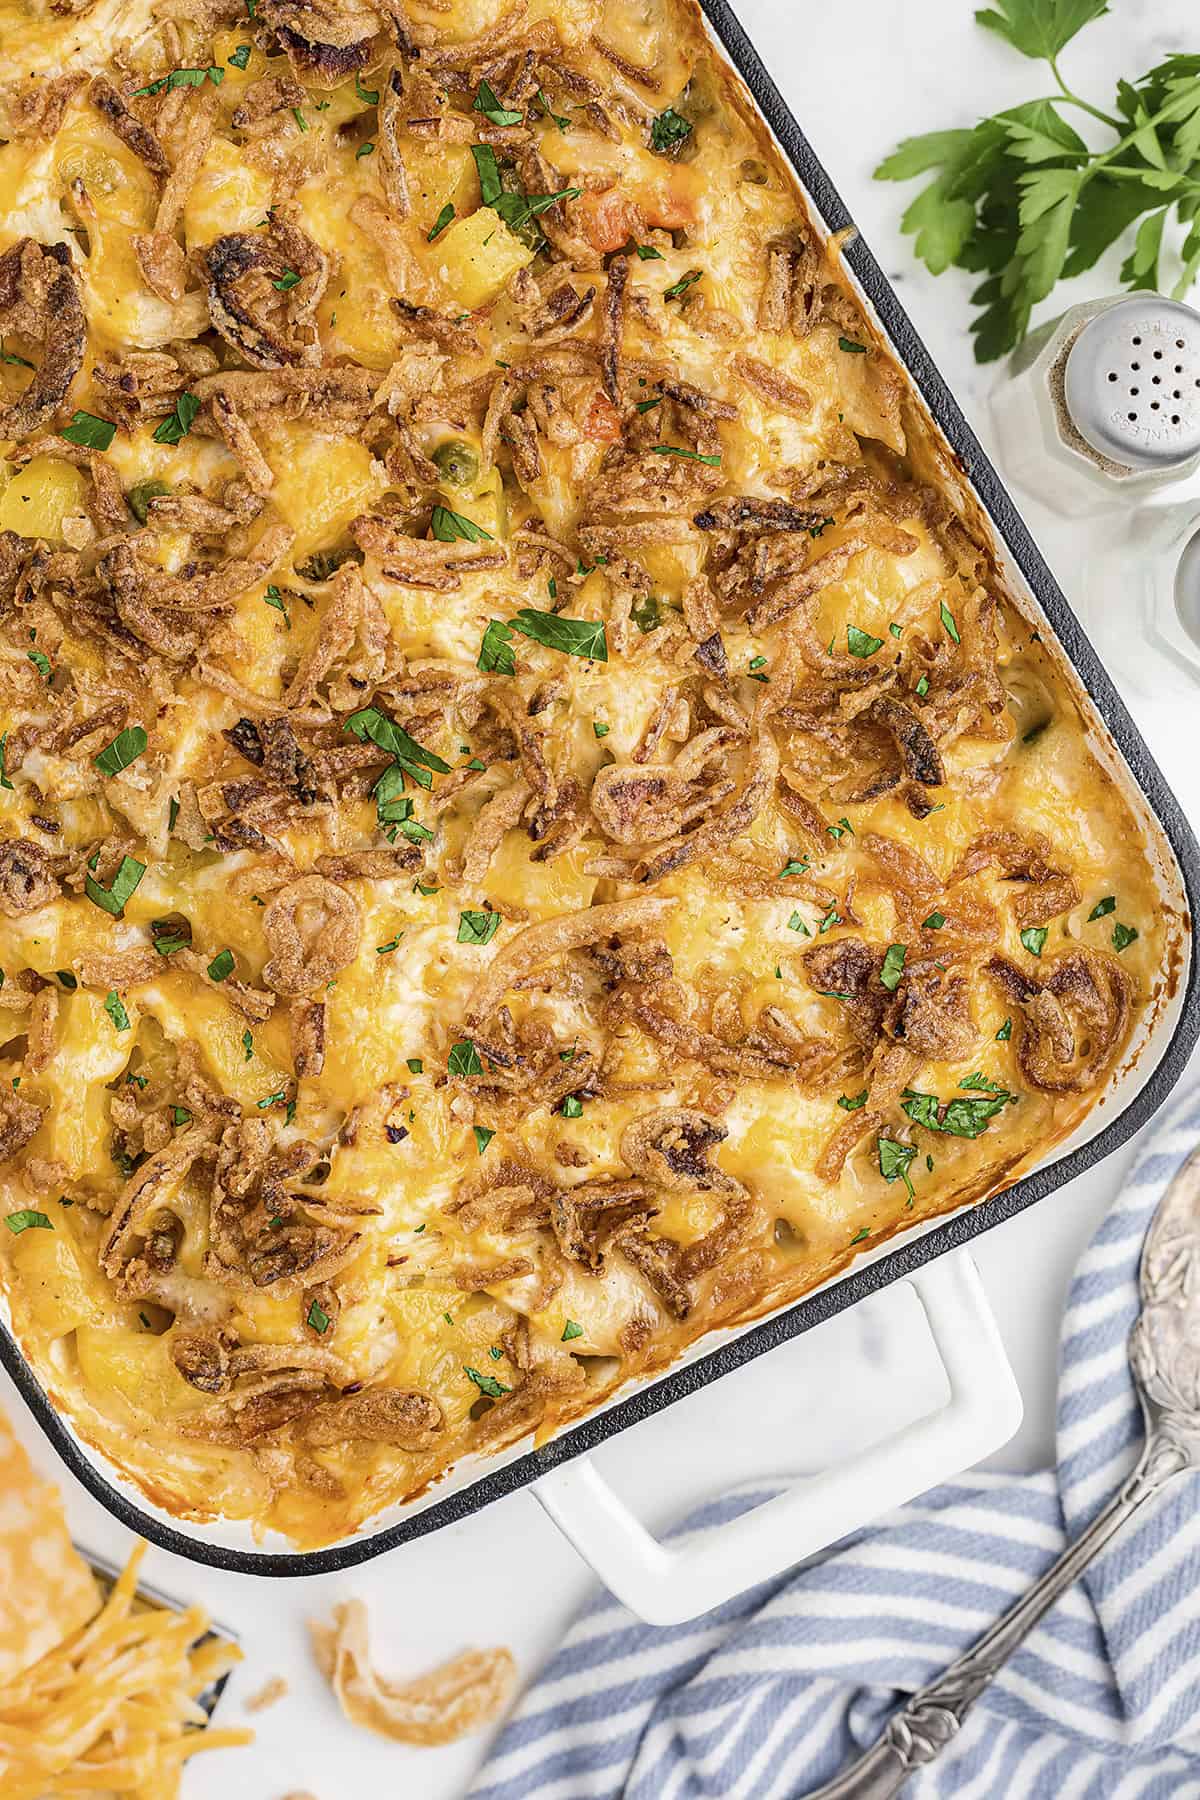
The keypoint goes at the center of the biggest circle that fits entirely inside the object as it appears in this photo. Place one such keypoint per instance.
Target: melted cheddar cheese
(532, 828)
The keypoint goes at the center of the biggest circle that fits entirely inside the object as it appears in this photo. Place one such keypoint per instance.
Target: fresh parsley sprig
(1023, 201)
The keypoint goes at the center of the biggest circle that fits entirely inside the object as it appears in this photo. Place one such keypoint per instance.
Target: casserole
(1172, 839)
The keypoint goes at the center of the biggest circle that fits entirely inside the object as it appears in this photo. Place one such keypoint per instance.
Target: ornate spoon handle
(928, 1721)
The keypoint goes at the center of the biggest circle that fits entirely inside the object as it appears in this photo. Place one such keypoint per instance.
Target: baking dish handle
(665, 1585)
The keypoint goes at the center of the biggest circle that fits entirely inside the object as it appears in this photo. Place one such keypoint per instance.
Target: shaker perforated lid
(1132, 383)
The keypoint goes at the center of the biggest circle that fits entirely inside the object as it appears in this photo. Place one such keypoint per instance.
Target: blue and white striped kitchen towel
(769, 1696)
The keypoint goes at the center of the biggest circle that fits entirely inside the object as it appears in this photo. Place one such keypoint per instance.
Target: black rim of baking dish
(908, 1257)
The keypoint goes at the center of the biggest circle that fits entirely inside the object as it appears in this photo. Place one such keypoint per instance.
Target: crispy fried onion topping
(312, 928)
(1074, 1023)
(40, 305)
(459, 1697)
(537, 944)
(255, 302)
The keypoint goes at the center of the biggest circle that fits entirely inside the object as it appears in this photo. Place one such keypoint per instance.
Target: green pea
(457, 462)
(139, 498)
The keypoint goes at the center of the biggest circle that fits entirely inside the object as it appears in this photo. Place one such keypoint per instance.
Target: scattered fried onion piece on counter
(460, 1696)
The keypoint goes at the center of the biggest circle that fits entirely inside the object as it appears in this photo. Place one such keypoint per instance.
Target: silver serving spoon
(1164, 1354)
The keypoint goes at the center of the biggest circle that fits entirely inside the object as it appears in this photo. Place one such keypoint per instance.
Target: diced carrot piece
(609, 219)
(603, 424)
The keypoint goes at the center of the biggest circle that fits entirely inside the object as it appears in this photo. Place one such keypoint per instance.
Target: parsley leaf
(957, 1118)
(369, 96)
(934, 922)
(179, 423)
(1102, 907)
(487, 1384)
(714, 462)
(570, 1330)
(893, 967)
(669, 130)
(575, 637)
(6, 783)
(27, 1220)
(549, 112)
(115, 1010)
(1022, 200)
(477, 927)
(894, 1158)
(1034, 938)
(483, 1138)
(41, 663)
(318, 1318)
(449, 526)
(413, 758)
(440, 223)
(852, 1102)
(240, 57)
(90, 432)
(683, 284)
(221, 966)
(112, 899)
(495, 650)
(1123, 936)
(464, 1058)
(1005, 1032)
(861, 643)
(274, 598)
(486, 103)
(125, 748)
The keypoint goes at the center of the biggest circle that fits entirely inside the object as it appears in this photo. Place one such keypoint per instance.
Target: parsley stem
(1066, 93)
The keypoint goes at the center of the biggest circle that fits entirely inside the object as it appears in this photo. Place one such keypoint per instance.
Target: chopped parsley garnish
(851, 348)
(177, 424)
(669, 130)
(221, 966)
(11, 357)
(894, 1158)
(646, 613)
(558, 118)
(5, 782)
(413, 758)
(180, 1115)
(896, 630)
(861, 643)
(934, 922)
(645, 406)
(448, 527)
(923, 686)
(89, 431)
(486, 102)
(478, 927)
(274, 598)
(515, 209)
(893, 967)
(1123, 936)
(841, 829)
(464, 1058)
(1005, 1032)
(386, 950)
(575, 637)
(957, 1117)
(367, 149)
(178, 78)
(860, 1236)
(370, 96)
(247, 1044)
(816, 531)
(67, 980)
(483, 1138)
(792, 867)
(832, 918)
(289, 278)
(570, 1330)
(487, 1384)
(683, 284)
(1103, 907)
(125, 748)
(302, 122)
(796, 923)
(41, 663)
(598, 730)
(496, 655)
(27, 1220)
(852, 1102)
(416, 1065)
(1034, 938)
(714, 462)
(980, 1080)
(115, 1010)
(440, 223)
(948, 622)
(112, 899)
(240, 57)
(318, 1318)
(647, 253)
(572, 1107)
(269, 1100)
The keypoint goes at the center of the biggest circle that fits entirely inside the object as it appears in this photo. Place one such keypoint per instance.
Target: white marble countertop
(858, 78)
